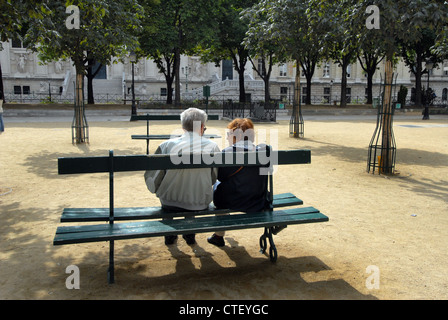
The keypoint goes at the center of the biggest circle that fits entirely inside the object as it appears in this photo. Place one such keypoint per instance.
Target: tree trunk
(168, 72)
(2, 92)
(296, 103)
(80, 133)
(267, 96)
(90, 97)
(177, 77)
(239, 62)
(370, 87)
(169, 90)
(344, 84)
(385, 164)
(308, 89)
(90, 76)
(241, 85)
(418, 81)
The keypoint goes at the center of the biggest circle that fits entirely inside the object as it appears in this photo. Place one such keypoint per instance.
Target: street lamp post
(429, 65)
(133, 58)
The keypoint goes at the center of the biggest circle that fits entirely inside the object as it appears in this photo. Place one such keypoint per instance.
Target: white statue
(58, 66)
(21, 63)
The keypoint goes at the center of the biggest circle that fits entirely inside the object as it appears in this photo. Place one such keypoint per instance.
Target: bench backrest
(112, 164)
(76, 165)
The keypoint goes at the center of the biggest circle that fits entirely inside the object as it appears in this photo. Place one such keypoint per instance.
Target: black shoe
(189, 238)
(170, 239)
(216, 240)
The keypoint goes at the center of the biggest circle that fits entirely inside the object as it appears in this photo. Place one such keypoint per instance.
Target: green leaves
(105, 30)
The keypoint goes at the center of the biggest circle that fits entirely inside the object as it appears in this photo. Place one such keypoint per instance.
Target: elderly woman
(239, 188)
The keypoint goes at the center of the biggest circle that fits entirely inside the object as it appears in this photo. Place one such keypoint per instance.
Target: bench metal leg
(268, 232)
(110, 271)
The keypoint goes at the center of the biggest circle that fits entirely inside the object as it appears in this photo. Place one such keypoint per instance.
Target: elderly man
(181, 190)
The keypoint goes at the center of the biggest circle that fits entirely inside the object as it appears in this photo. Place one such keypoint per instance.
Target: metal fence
(216, 101)
(256, 110)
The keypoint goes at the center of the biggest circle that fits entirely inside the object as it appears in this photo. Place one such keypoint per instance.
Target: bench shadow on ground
(436, 189)
(406, 156)
(198, 275)
(194, 270)
(45, 163)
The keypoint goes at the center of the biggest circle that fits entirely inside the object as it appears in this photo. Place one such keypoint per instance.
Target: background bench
(148, 136)
(149, 222)
(148, 117)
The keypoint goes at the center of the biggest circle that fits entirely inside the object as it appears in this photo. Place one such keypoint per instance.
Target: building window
(349, 71)
(283, 93)
(445, 94)
(163, 92)
(327, 95)
(227, 70)
(26, 89)
(17, 90)
(348, 95)
(102, 73)
(326, 70)
(304, 94)
(283, 70)
(16, 43)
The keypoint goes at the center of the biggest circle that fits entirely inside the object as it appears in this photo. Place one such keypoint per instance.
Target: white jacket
(189, 189)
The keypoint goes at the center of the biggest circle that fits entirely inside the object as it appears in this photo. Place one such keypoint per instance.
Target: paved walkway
(42, 114)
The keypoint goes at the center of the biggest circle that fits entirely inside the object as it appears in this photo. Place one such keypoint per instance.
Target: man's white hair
(190, 116)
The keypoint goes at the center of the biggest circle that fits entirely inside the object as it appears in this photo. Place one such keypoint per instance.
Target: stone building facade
(26, 79)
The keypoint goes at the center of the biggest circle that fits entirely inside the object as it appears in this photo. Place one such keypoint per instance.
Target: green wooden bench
(142, 222)
(149, 117)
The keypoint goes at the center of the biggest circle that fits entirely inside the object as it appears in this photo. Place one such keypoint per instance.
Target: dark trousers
(171, 209)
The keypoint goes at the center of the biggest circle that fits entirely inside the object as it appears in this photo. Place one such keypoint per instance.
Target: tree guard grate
(382, 148)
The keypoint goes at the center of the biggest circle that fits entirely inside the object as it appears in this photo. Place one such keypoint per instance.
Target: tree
(90, 75)
(369, 57)
(401, 21)
(227, 42)
(301, 32)
(415, 53)
(261, 43)
(341, 40)
(105, 30)
(13, 17)
(157, 40)
(173, 28)
(9, 27)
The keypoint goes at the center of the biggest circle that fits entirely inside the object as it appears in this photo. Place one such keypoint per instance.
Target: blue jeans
(2, 126)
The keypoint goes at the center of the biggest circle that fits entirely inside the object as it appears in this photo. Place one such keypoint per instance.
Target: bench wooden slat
(166, 136)
(165, 117)
(72, 165)
(138, 224)
(140, 213)
(132, 230)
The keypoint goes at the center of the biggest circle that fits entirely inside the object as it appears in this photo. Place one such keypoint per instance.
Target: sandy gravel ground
(386, 239)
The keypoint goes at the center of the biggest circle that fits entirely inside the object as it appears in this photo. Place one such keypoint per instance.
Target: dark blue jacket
(241, 188)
